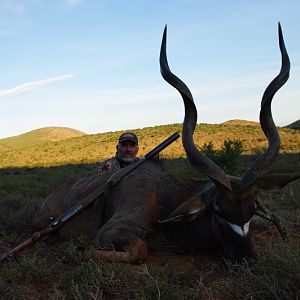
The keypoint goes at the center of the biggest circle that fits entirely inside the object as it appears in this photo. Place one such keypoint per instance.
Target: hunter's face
(127, 151)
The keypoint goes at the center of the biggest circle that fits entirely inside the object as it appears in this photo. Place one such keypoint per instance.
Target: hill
(241, 122)
(97, 147)
(294, 125)
(39, 136)
(3, 148)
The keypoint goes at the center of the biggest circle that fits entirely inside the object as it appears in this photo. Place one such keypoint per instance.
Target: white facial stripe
(240, 230)
(194, 211)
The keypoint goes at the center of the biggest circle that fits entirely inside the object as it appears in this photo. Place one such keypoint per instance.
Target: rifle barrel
(162, 145)
(20, 247)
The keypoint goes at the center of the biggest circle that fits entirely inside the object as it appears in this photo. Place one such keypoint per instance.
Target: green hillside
(97, 147)
(39, 136)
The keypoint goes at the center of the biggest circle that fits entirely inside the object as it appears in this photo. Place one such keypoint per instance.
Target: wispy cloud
(11, 6)
(32, 86)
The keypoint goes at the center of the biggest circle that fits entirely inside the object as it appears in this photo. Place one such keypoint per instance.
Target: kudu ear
(275, 181)
(189, 209)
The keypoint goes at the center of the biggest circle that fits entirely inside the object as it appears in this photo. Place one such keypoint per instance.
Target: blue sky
(93, 65)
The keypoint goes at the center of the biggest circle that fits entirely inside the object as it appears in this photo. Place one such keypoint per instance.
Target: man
(127, 149)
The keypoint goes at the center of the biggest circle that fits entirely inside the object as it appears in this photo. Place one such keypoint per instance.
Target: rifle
(57, 223)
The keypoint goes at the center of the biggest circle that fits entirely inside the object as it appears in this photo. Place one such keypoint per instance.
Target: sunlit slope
(39, 136)
(96, 147)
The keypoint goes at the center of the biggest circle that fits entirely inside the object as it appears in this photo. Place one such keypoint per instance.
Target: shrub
(227, 157)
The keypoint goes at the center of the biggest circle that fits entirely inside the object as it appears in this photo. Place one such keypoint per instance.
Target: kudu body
(205, 214)
(120, 219)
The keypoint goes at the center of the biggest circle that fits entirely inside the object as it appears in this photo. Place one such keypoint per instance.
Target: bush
(227, 157)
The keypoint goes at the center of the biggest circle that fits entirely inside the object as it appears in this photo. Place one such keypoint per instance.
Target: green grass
(22, 189)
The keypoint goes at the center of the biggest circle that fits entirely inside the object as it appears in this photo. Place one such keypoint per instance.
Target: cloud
(32, 86)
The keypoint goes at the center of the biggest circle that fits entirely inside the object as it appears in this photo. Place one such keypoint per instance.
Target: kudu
(221, 213)
(211, 214)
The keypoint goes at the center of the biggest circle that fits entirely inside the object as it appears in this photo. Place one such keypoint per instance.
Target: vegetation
(53, 269)
(40, 136)
(277, 276)
(227, 157)
(97, 147)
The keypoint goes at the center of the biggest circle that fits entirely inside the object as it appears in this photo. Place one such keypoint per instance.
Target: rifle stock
(70, 213)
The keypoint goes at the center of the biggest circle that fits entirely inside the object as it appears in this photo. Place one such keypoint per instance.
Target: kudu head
(232, 200)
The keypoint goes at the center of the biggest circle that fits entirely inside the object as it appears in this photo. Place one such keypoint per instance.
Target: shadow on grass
(22, 188)
(55, 270)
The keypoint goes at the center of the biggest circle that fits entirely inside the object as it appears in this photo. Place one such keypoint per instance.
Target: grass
(59, 270)
(276, 276)
(39, 136)
(52, 269)
(56, 271)
(97, 147)
(21, 189)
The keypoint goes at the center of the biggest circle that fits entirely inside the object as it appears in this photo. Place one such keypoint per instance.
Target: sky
(93, 65)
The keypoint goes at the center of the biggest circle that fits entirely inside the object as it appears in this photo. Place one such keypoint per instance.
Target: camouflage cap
(128, 136)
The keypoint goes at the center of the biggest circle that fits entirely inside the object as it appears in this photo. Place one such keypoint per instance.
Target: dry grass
(59, 270)
(97, 147)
